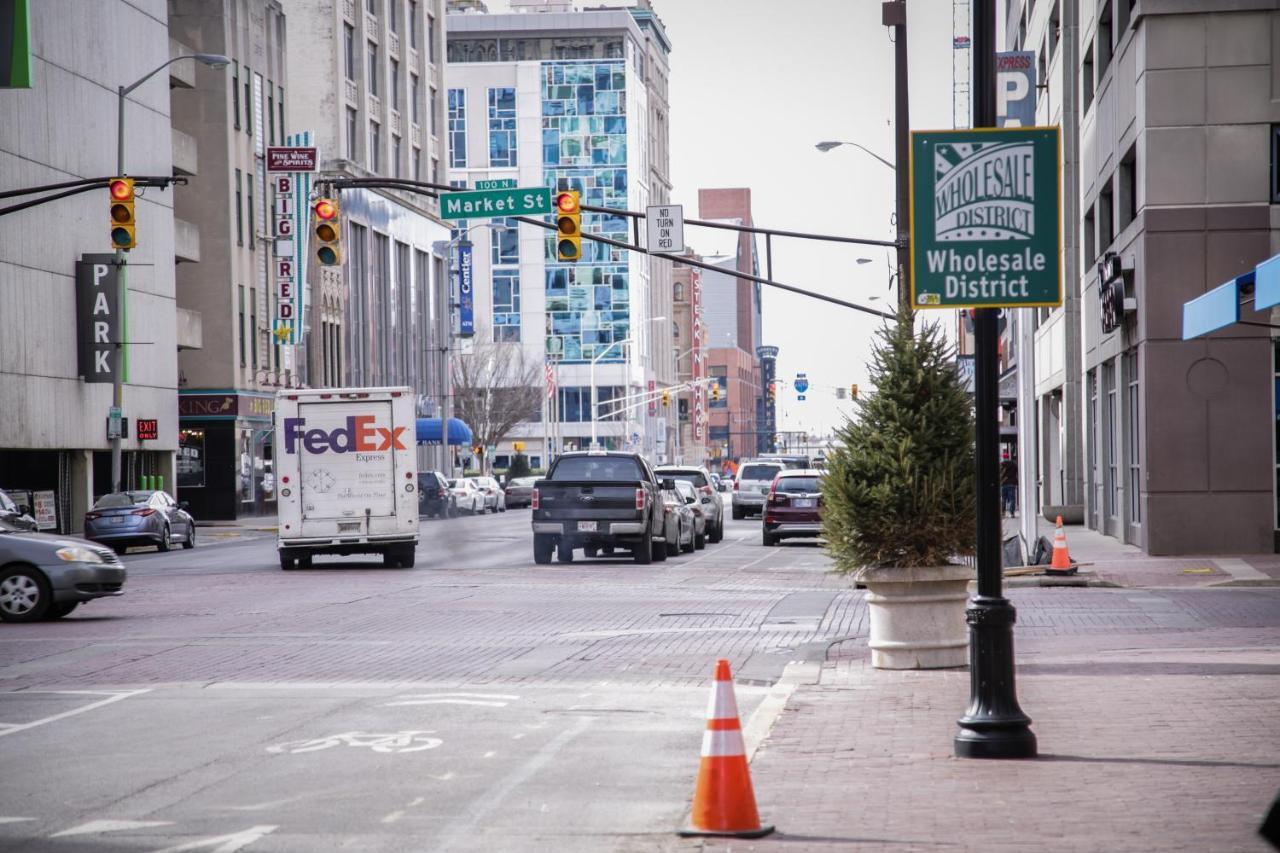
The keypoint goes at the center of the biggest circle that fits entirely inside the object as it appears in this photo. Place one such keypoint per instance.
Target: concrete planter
(918, 616)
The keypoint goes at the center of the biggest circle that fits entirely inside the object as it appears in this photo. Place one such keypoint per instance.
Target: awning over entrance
(429, 432)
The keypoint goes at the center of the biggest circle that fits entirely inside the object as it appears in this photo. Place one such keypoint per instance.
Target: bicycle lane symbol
(388, 743)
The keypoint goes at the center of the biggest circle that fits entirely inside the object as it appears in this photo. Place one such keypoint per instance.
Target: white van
(346, 474)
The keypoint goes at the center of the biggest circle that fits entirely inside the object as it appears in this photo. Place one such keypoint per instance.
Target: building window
(249, 196)
(248, 103)
(239, 212)
(349, 51)
(352, 124)
(371, 6)
(416, 155)
(235, 92)
(414, 92)
(677, 291)
(1134, 449)
(432, 107)
(1111, 430)
(458, 129)
(505, 245)
(280, 109)
(1275, 164)
(1106, 216)
(1055, 30)
(506, 304)
(575, 403)
(1086, 80)
(373, 69)
(1090, 237)
(1105, 43)
(502, 128)
(253, 326)
(375, 146)
(244, 361)
(358, 306)
(271, 114)
(1127, 181)
(395, 84)
(431, 39)
(395, 155)
(392, 23)
(413, 24)
(383, 306)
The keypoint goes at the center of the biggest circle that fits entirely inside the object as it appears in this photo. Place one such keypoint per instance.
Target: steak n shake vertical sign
(986, 218)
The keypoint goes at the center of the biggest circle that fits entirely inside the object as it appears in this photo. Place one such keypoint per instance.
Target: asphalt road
(475, 702)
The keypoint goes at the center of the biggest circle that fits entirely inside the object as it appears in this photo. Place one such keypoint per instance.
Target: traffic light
(327, 228)
(666, 398)
(123, 224)
(568, 227)
(715, 392)
(853, 390)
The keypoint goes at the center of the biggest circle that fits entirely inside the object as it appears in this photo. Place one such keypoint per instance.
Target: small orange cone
(723, 801)
(1061, 564)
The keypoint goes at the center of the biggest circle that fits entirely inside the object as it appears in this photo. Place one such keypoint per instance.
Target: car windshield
(694, 478)
(759, 472)
(119, 499)
(597, 468)
(7, 504)
(798, 485)
(685, 489)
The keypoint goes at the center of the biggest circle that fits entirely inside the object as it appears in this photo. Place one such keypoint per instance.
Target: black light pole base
(993, 726)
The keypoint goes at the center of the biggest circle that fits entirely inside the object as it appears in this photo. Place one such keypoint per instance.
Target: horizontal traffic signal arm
(81, 186)
(433, 190)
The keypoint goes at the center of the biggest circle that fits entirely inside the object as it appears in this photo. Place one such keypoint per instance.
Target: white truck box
(346, 471)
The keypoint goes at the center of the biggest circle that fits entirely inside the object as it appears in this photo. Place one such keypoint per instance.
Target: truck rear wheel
(564, 552)
(643, 553)
(543, 546)
(288, 562)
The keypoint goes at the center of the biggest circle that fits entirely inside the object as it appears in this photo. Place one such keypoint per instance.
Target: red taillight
(533, 499)
(144, 512)
(736, 484)
(90, 516)
(439, 493)
(640, 498)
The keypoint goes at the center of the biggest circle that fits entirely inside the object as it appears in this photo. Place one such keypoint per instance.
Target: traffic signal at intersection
(853, 390)
(715, 392)
(327, 228)
(123, 223)
(568, 226)
(666, 398)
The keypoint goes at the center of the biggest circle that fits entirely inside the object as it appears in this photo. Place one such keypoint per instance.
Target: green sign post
(486, 204)
(15, 44)
(986, 218)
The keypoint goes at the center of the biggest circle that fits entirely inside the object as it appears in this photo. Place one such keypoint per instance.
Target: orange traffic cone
(1061, 564)
(723, 801)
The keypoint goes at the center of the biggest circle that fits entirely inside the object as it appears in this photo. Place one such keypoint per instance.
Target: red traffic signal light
(327, 229)
(568, 226)
(123, 222)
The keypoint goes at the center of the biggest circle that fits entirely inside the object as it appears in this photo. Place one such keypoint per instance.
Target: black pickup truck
(600, 501)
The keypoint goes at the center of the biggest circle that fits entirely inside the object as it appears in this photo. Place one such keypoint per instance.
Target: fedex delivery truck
(346, 472)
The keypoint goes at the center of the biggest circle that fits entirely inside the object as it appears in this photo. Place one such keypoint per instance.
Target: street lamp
(827, 146)
(595, 361)
(213, 60)
(444, 331)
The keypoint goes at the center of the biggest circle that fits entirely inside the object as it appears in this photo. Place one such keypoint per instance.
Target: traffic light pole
(894, 14)
(122, 333)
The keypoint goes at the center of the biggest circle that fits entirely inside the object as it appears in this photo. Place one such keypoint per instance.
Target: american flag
(551, 379)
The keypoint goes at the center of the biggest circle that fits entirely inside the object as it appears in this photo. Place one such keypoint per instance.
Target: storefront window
(190, 460)
(244, 476)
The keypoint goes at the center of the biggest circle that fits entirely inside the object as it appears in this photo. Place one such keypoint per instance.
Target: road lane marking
(96, 826)
(229, 843)
(492, 798)
(1239, 569)
(484, 700)
(112, 696)
(15, 819)
(389, 743)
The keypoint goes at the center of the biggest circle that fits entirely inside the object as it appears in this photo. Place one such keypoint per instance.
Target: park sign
(986, 218)
(484, 204)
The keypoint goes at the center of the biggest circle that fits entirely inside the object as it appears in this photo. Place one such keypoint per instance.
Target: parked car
(123, 519)
(598, 500)
(467, 496)
(16, 514)
(494, 498)
(47, 577)
(681, 539)
(751, 486)
(790, 462)
(520, 491)
(709, 500)
(793, 507)
(434, 498)
(693, 499)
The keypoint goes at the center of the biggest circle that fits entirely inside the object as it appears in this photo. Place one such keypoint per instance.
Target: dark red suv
(793, 506)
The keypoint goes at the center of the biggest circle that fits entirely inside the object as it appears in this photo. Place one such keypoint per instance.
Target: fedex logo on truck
(359, 435)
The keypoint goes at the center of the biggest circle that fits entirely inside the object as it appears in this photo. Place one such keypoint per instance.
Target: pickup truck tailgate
(568, 501)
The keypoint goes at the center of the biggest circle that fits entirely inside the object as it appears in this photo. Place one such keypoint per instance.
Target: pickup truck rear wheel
(543, 545)
(738, 514)
(643, 553)
(564, 552)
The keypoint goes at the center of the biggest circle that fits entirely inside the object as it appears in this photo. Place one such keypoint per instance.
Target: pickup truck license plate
(805, 503)
(587, 526)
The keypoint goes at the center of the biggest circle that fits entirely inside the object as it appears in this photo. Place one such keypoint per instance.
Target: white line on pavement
(1239, 569)
(15, 819)
(111, 697)
(95, 826)
(476, 702)
(230, 843)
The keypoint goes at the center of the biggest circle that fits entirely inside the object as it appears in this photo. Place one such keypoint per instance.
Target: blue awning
(429, 432)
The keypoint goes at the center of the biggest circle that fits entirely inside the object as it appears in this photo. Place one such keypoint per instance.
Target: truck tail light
(533, 499)
(640, 498)
(439, 493)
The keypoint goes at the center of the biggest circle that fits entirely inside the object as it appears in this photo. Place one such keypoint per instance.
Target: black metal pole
(994, 726)
(894, 14)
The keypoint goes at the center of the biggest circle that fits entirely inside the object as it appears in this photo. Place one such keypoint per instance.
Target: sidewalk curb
(1081, 579)
(1252, 583)
(775, 701)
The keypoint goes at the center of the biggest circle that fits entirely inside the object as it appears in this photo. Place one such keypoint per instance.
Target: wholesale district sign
(986, 218)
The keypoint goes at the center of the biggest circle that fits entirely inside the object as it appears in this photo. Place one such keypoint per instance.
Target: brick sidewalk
(1160, 741)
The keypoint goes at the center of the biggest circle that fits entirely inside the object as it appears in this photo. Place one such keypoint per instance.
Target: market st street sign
(986, 218)
(484, 204)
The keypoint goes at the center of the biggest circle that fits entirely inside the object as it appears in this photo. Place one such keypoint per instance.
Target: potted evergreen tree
(899, 502)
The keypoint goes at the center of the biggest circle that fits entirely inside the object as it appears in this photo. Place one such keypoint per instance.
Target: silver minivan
(752, 485)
